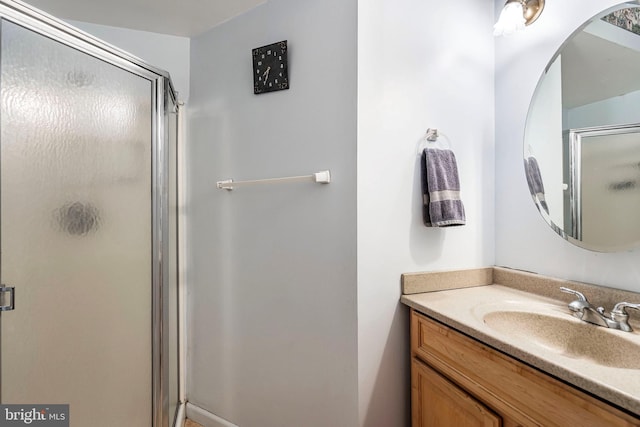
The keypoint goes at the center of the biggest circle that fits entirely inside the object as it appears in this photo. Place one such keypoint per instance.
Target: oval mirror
(582, 136)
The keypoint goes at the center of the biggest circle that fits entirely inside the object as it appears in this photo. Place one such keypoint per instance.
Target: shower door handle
(7, 298)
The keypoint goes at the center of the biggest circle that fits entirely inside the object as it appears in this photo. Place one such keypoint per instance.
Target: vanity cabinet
(458, 381)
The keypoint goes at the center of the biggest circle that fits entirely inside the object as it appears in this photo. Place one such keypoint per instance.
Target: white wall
(421, 64)
(523, 239)
(621, 109)
(618, 109)
(169, 53)
(272, 269)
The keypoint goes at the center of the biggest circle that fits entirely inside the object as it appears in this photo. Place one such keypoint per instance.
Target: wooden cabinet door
(437, 402)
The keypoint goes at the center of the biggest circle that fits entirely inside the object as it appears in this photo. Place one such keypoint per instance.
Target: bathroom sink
(546, 328)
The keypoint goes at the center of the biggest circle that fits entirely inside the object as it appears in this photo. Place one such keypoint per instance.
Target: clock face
(270, 68)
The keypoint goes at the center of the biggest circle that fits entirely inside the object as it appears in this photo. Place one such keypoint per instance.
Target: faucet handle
(620, 315)
(578, 306)
(580, 295)
(620, 307)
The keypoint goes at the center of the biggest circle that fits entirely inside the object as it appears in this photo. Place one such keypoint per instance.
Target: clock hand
(266, 75)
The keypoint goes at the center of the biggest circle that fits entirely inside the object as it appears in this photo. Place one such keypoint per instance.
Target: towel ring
(433, 136)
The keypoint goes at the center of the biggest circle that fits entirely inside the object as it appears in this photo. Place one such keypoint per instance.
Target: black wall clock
(270, 68)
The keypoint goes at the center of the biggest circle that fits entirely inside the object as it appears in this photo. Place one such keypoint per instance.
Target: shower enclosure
(88, 226)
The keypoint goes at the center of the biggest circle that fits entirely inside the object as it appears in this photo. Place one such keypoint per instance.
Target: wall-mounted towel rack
(322, 177)
(431, 135)
(433, 138)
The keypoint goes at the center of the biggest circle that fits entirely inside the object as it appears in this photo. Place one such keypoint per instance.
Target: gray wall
(272, 269)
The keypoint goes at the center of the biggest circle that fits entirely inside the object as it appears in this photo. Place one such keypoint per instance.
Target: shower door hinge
(7, 298)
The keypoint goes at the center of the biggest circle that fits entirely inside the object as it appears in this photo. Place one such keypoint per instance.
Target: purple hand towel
(442, 206)
(534, 180)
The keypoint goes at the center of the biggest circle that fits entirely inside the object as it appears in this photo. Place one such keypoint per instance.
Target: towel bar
(322, 177)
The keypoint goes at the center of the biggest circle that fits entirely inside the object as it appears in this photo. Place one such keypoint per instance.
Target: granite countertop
(614, 376)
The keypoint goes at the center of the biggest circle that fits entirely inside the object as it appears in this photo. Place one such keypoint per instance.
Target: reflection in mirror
(582, 137)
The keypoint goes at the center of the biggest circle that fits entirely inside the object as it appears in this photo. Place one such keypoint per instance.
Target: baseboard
(206, 418)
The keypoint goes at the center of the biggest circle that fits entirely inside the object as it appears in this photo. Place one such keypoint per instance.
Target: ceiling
(176, 17)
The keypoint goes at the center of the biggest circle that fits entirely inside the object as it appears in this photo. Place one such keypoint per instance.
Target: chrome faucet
(584, 310)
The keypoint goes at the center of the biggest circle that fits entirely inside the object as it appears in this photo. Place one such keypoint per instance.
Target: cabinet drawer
(436, 402)
(513, 389)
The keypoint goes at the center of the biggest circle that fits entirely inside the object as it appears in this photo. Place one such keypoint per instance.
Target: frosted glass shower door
(76, 232)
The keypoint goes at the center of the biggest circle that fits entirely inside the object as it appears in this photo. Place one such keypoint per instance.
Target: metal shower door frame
(161, 88)
(576, 137)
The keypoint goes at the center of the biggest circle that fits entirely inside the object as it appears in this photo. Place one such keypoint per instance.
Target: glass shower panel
(76, 232)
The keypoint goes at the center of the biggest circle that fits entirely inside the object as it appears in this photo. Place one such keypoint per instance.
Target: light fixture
(516, 14)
